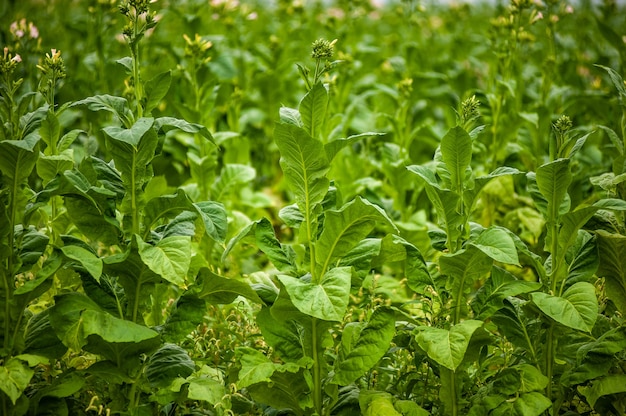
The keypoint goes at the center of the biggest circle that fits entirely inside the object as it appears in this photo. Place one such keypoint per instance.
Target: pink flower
(569, 9)
(16, 58)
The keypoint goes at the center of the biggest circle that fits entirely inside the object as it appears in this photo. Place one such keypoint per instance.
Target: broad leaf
(232, 177)
(156, 89)
(169, 258)
(553, 179)
(373, 342)
(222, 290)
(283, 336)
(313, 109)
(326, 300)
(304, 164)
(611, 384)
(447, 347)
(497, 244)
(612, 252)
(345, 228)
(456, 152)
(87, 259)
(167, 363)
(255, 366)
(577, 308)
(499, 286)
(15, 376)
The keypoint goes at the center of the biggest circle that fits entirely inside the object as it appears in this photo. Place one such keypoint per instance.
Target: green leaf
(447, 347)
(232, 177)
(184, 318)
(285, 390)
(165, 124)
(169, 258)
(575, 220)
(333, 147)
(17, 160)
(50, 129)
(205, 389)
(612, 384)
(218, 289)
(345, 228)
(313, 109)
(214, 219)
(255, 366)
(304, 164)
(463, 269)
(371, 345)
(497, 244)
(116, 105)
(375, 403)
(612, 253)
(132, 135)
(167, 363)
(553, 179)
(86, 258)
(156, 89)
(326, 300)
(40, 338)
(283, 336)
(456, 152)
(15, 376)
(269, 244)
(499, 286)
(49, 166)
(577, 308)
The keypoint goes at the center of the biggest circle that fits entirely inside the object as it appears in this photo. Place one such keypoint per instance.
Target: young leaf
(553, 179)
(326, 300)
(232, 176)
(313, 109)
(155, 90)
(371, 345)
(304, 164)
(456, 152)
(577, 308)
(447, 347)
(15, 376)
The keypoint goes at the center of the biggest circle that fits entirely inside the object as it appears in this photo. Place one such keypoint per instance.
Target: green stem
(317, 376)
(134, 50)
(550, 360)
(136, 302)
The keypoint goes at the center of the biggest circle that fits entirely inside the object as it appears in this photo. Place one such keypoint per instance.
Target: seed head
(323, 49)
(469, 108)
(563, 125)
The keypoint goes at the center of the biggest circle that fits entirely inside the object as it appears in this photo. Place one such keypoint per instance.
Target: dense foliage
(312, 208)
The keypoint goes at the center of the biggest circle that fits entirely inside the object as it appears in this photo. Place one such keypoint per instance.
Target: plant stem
(550, 360)
(317, 376)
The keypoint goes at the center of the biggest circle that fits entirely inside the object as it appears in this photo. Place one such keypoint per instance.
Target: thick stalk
(550, 360)
(8, 274)
(136, 80)
(317, 371)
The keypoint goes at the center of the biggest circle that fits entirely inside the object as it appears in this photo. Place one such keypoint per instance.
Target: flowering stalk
(140, 20)
(9, 86)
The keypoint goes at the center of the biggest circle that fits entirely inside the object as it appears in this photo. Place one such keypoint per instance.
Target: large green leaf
(116, 105)
(232, 177)
(133, 134)
(447, 347)
(575, 220)
(48, 166)
(526, 404)
(75, 317)
(375, 403)
(87, 259)
(167, 363)
(15, 376)
(444, 201)
(169, 258)
(283, 336)
(345, 228)
(612, 252)
(255, 366)
(577, 308)
(497, 244)
(222, 290)
(266, 239)
(463, 269)
(499, 286)
(304, 164)
(313, 109)
(371, 345)
(287, 389)
(553, 179)
(184, 318)
(326, 300)
(611, 384)
(456, 152)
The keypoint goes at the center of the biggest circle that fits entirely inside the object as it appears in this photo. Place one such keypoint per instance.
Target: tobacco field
(222, 207)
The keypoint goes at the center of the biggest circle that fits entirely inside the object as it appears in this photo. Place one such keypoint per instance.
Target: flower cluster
(140, 18)
(23, 29)
(53, 69)
(197, 48)
(8, 63)
(323, 49)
